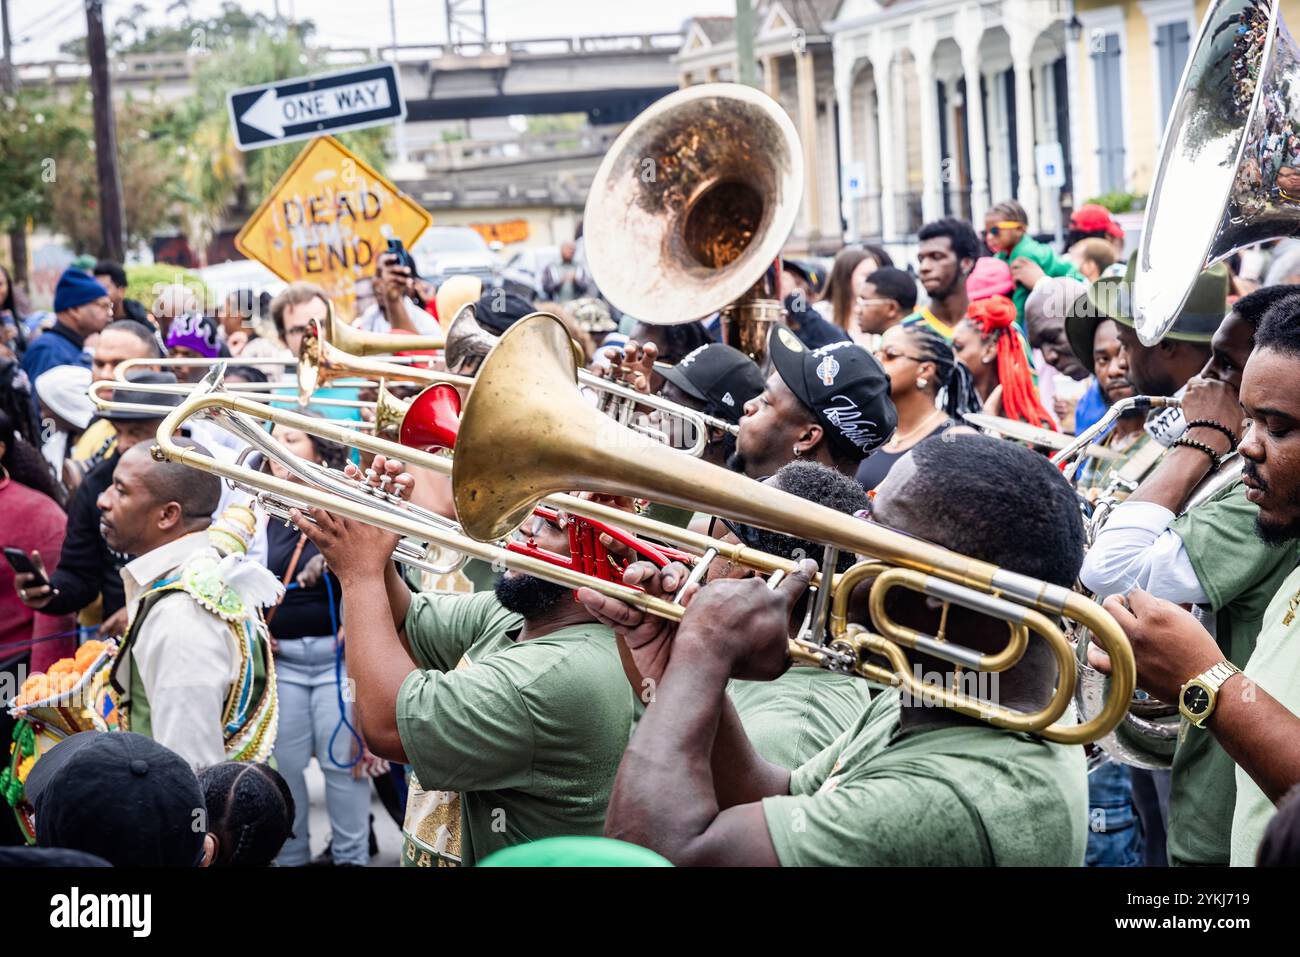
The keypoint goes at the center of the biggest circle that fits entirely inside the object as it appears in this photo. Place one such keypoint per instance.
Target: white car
(444, 251)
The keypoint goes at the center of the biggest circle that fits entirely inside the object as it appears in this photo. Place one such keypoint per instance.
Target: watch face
(1196, 699)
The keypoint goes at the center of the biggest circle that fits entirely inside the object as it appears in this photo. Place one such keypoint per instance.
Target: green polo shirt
(1275, 667)
(951, 794)
(529, 732)
(791, 719)
(1240, 575)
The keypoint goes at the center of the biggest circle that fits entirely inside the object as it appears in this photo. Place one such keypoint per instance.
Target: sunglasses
(996, 228)
(893, 352)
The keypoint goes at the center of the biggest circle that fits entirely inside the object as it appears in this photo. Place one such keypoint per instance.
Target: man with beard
(513, 700)
(1254, 715)
(945, 257)
(1209, 557)
(829, 405)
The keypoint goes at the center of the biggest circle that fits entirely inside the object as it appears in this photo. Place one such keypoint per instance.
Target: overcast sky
(41, 25)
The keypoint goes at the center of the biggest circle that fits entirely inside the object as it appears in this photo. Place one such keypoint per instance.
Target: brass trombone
(532, 364)
(106, 404)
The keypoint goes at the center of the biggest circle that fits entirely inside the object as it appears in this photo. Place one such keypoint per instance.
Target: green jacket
(1051, 264)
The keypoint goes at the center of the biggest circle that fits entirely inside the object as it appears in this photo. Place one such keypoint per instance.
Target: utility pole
(399, 128)
(746, 66)
(9, 83)
(111, 217)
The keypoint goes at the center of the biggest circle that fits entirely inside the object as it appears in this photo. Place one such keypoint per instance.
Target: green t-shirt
(1240, 575)
(529, 732)
(794, 717)
(952, 794)
(1275, 667)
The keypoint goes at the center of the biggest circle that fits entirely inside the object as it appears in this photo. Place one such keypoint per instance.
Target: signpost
(327, 220)
(1050, 160)
(309, 106)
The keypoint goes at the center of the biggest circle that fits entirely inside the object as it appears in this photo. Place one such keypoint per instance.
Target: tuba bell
(1226, 177)
(690, 208)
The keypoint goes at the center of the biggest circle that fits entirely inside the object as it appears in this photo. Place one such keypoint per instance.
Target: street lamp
(1074, 29)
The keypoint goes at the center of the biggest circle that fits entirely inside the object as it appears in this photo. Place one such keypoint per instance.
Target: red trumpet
(431, 422)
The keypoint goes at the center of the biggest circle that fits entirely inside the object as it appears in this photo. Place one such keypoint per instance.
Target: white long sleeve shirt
(186, 656)
(1137, 549)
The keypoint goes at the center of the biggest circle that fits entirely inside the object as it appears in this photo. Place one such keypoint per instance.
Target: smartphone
(396, 248)
(20, 561)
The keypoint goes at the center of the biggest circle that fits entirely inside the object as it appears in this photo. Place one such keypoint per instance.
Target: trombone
(532, 363)
(491, 505)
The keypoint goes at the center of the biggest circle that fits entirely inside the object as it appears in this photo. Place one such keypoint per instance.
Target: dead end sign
(327, 219)
(309, 106)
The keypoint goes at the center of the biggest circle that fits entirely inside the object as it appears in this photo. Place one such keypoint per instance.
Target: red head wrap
(996, 316)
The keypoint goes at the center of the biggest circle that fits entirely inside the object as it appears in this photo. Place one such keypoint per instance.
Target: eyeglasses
(997, 227)
(893, 352)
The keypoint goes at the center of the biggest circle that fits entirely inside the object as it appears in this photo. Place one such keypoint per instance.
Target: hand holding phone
(30, 580)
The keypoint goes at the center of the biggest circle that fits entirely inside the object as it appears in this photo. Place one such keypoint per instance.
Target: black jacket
(88, 567)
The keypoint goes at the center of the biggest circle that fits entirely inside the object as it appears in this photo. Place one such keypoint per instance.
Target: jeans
(309, 713)
(1151, 797)
(1114, 838)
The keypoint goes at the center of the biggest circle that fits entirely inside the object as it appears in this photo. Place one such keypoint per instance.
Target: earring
(797, 451)
(986, 359)
(922, 383)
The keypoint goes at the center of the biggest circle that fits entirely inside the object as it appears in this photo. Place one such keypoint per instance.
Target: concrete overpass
(610, 78)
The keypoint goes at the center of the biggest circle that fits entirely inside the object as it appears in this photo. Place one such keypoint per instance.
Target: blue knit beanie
(76, 288)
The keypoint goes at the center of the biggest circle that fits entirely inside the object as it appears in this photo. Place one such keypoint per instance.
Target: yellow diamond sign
(327, 220)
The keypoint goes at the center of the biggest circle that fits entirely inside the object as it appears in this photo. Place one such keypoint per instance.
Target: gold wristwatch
(1197, 699)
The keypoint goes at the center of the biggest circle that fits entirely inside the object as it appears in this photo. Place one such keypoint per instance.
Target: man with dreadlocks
(987, 342)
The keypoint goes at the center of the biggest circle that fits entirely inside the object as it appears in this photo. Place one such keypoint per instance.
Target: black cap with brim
(843, 385)
(121, 796)
(1108, 298)
(721, 377)
(124, 393)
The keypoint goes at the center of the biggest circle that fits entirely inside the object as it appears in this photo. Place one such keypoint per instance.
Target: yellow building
(1125, 60)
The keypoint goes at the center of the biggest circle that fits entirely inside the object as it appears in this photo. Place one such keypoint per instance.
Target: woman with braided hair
(988, 343)
(250, 813)
(929, 388)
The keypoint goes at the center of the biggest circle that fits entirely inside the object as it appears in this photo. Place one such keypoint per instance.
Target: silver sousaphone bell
(1229, 172)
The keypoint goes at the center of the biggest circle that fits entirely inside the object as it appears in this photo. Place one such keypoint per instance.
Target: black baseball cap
(123, 393)
(721, 377)
(498, 310)
(120, 796)
(843, 385)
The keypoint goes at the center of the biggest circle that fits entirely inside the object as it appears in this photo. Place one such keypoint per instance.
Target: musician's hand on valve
(1217, 401)
(385, 474)
(636, 365)
(644, 640)
(1169, 644)
(356, 552)
(746, 623)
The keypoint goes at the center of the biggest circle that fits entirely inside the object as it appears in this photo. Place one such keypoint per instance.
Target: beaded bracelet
(1218, 427)
(1215, 461)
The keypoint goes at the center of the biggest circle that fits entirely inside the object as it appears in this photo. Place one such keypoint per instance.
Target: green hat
(1108, 298)
(575, 852)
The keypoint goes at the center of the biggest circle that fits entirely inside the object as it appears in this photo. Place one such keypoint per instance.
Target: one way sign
(309, 106)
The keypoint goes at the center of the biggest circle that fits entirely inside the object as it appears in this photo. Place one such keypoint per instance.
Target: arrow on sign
(309, 106)
(272, 113)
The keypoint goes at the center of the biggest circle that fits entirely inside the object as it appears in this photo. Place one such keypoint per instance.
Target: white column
(844, 99)
(873, 158)
(889, 178)
(807, 123)
(979, 172)
(931, 168)
(1027, 188)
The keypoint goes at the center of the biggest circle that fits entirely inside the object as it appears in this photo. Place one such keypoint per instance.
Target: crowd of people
(495, 714)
